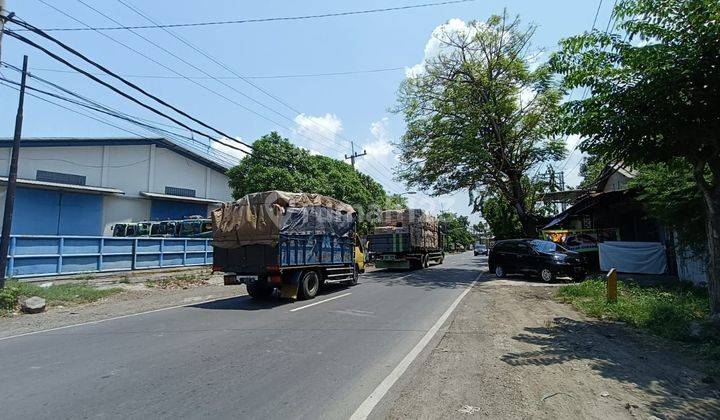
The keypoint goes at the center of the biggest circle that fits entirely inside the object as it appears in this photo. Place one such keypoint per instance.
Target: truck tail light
(273, 272)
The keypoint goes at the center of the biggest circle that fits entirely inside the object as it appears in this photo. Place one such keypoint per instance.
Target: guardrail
(35, 256)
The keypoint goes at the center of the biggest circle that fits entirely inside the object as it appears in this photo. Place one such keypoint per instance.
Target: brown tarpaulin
(256, 218)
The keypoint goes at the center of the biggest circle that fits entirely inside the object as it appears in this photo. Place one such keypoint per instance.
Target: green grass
(71, 293)
(666, 312)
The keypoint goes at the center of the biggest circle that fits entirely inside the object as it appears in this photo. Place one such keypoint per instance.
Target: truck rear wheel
(259, 290)
(426, 261)
(309, 285)
(355, 275)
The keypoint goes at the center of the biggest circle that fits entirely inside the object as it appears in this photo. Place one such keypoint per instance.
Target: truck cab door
(359, 254)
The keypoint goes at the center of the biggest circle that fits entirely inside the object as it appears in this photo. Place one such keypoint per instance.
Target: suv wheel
(499, 271)
(547, 275)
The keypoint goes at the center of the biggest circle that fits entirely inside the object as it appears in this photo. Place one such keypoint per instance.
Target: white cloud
(319, 133)
(436, 45)
(380, 154)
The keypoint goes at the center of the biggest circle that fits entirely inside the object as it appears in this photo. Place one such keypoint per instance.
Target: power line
(585, 92)
(268, 19)
(111, 87)
(103, 109)
(114, 75)
(209, 57)
(165, 66)
(182, 75)
(236, 74)
(277, 76)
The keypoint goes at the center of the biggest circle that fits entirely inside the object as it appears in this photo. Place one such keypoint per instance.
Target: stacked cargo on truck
(406, 239)
(291, 242)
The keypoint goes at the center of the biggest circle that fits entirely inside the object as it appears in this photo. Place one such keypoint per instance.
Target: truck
(406, 239)
(290, 242)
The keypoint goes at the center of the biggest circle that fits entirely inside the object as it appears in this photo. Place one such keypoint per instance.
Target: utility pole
(353, 155)
(12, 178)
(2, 22)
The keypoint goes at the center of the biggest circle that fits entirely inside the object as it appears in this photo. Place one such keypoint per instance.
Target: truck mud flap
(289, 288)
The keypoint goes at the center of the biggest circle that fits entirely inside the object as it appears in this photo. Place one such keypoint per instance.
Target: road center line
(319, 302)
(377, 395)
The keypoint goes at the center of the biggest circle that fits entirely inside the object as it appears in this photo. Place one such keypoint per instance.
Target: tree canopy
(669, 194)
(277, 164)
(456, 229)
(655, 96)
(480, 116)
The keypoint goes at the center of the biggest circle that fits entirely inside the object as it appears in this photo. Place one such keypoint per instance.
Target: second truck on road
(406, 239)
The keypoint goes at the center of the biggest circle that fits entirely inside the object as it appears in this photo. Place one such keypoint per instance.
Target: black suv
(533, 256)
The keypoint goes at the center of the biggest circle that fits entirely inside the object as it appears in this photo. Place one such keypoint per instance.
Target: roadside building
(608, 211)
(83, 186)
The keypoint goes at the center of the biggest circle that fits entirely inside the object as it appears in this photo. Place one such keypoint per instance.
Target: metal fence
(34, 256)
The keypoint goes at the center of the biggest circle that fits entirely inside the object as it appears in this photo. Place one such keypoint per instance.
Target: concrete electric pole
(12, 178)
(3, 11)
(353, 155)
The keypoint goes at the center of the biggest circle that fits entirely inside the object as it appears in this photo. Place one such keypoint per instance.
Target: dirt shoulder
(135, 298)
(511, 351)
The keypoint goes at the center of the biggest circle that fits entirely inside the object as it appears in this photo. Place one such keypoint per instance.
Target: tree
(396, 202)
(590, 169)
(479, 117)
(669, 194)
(481, 230)
(277, 164)
(456, 229)
(655, 99)
(501, 218)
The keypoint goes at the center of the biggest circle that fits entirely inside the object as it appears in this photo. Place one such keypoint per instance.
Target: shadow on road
(675, 389)
(247, 303)
(436, 277)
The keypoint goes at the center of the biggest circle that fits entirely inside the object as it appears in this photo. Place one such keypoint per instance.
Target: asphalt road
(234, 357)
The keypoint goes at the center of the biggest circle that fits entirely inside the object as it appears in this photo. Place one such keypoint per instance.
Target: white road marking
(319, 302)
(113, 318)
(377, 395)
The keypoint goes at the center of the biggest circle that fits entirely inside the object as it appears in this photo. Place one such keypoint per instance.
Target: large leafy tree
(479, 116)
(655, 95)
(670, 194)
(276, 164)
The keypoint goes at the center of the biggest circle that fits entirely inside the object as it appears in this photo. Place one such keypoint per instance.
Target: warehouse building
(83, 186)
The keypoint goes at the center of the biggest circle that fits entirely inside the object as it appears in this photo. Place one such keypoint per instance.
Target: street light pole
(12, 179)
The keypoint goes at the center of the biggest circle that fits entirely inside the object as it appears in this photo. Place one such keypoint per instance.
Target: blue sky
(334, 109)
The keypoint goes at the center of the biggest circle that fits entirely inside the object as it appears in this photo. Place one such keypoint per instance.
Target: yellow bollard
(612, 286)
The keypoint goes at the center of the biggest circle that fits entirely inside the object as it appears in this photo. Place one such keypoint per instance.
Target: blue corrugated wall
(175, 210)
(47, 212)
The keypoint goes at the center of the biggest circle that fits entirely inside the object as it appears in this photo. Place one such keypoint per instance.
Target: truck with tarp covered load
(292, 242)
(406, 239)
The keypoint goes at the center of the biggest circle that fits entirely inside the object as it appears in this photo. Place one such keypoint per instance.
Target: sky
(323, 112)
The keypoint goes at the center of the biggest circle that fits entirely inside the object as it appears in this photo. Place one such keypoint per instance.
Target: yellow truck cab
(359, 254)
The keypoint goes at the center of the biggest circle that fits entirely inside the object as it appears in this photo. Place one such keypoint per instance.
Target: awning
(584, 204)
(32, 183)
(159, 196)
